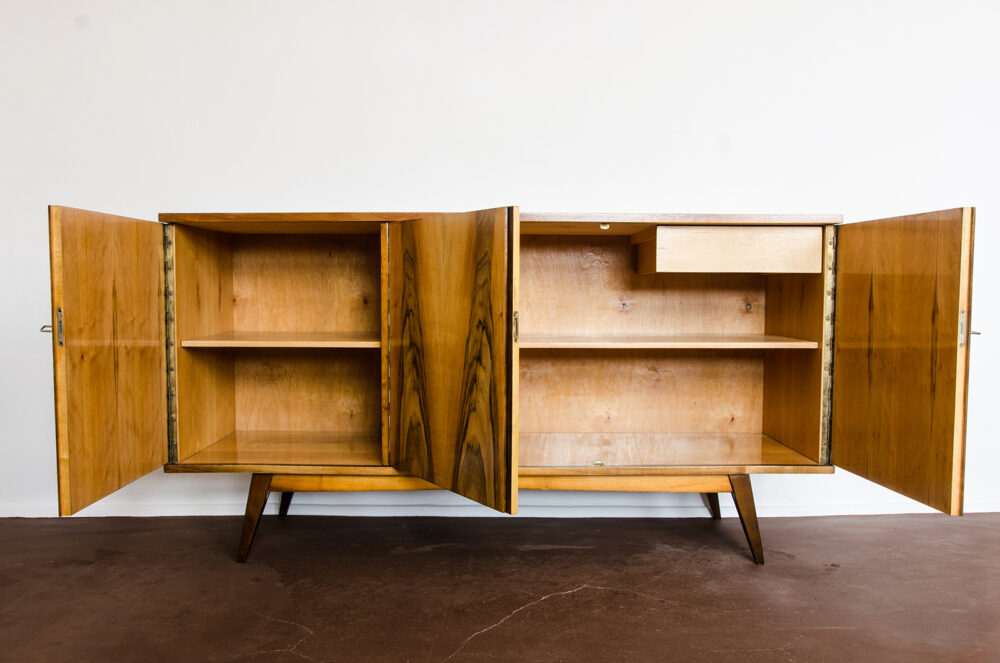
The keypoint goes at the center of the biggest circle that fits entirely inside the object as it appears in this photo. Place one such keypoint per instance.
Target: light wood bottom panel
(657, 453)
(641, 391)
(291, 448)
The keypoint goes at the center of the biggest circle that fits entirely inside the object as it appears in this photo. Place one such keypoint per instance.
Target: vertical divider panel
(203, 301)
(384, 324)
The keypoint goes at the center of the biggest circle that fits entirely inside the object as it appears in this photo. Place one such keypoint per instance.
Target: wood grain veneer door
(901, 353)
(451, 351)
(110, 359)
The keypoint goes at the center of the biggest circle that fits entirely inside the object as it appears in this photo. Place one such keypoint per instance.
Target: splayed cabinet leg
(743, 497)
(286, 501)
(260, 485)
(712, 502)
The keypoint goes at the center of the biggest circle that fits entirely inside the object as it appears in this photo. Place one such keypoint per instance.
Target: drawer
(743, 249)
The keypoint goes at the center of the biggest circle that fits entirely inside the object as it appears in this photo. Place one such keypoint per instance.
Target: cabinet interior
(625, 370)
(279, 351)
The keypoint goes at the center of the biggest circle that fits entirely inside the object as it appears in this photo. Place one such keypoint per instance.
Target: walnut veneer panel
(450, 339)
(110, 372)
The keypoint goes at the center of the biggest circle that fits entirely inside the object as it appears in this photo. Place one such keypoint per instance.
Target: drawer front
(740, 249)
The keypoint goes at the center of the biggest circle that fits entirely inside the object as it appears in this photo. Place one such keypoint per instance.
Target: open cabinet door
(451, 351)
(109, 354)
(901, 353)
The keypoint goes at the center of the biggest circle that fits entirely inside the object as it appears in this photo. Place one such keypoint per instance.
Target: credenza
(493, 351)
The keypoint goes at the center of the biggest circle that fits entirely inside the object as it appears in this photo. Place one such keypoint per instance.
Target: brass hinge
(516, 330)
(59, 327)
(961, 328)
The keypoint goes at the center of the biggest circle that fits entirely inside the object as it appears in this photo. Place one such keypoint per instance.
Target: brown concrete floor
(877, 588)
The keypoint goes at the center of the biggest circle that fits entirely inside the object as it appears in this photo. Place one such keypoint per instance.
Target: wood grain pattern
(262, 223)
(641, 484)
(731, 249)
(321, 483)
(900, 357)
(256, 500)
(793, 381)
(306, 283)
(110, 374)
(384, 354)
(203, 306)
(641, 391)
(308, 390)
(513, 330)
(588, 285)
(628, 450)
(270, 339)
(282, 447)
(667, 341)
(452, 405)
(743, 499)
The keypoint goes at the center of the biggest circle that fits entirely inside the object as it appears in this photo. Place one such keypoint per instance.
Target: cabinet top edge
(684, 218)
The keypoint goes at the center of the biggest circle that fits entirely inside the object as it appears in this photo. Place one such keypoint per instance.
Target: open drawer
(730, 249)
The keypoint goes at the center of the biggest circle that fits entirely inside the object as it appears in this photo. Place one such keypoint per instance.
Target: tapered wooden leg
(260, 485)
(712, 500)
(286, 501)
(743, 497)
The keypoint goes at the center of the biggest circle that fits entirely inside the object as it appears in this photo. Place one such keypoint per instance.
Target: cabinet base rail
(261, 485)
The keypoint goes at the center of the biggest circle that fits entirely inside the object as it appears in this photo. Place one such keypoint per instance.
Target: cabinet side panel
(793, 379)
(203, 301)
(901, 349)
(107, 274)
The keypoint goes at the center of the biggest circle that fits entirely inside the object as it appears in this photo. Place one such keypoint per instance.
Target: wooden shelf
(291, 448)
(593, 453)
(240, 339)
(666, 342)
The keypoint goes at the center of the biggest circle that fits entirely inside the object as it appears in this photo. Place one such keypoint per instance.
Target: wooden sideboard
(492, 351)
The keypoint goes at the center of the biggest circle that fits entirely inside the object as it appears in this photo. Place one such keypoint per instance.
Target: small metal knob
(605, 226)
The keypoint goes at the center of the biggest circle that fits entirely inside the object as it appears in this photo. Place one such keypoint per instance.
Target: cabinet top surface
(532, 222)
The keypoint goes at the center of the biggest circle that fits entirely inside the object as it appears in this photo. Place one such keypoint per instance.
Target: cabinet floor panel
(658, 453)
(291, 448)
(666, 341)
(259, 339)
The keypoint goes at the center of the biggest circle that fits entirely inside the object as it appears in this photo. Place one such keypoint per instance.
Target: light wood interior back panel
(901, 355)
(203, 306)
(306, 283)
(588, 284)
(641, 391)
(110, 371)
(308, 390)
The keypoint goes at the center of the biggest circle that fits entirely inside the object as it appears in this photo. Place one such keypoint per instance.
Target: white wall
(136, 107)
